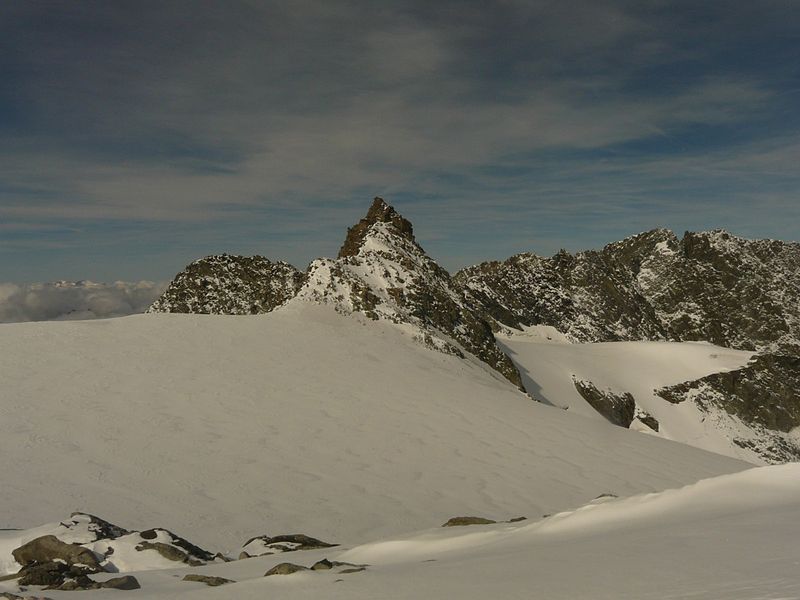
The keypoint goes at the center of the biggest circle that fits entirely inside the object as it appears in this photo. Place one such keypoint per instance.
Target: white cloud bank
(67, 300)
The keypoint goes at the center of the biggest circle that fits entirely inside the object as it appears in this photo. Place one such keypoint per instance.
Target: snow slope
(732, 536)
(548, 367)
(221, 428)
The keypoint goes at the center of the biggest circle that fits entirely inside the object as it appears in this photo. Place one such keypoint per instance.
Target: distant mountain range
(708, 286)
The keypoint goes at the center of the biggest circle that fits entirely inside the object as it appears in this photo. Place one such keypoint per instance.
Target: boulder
(207, 579)
(48, 548)
(126, 582)
(462, 521)
(322, 565)
(285, 569)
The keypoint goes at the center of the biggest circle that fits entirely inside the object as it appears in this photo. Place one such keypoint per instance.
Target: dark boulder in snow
(208, 579)
(49, 548)
(263, 544)
(618, 409)
(126, 582)
(464, 521)
(285, 569)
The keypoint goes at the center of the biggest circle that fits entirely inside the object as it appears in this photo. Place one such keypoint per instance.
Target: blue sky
(137, 136)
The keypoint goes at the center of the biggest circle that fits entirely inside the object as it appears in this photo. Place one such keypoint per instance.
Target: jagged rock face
(619, 409)
(383, 273)
(590, 297)
(763, 396)
(727, 290)
(708, 286)
(231, 285)
(379, 212)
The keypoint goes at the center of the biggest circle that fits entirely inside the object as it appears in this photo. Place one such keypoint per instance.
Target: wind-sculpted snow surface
(347, 430)
(732, 536)
(554, 372)
(383, 273)
(709, 286)
(230, 285)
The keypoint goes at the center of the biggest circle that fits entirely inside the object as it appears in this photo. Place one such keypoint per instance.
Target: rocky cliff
(230, 285)
(710, 286)
(382, 272)
(757, 406)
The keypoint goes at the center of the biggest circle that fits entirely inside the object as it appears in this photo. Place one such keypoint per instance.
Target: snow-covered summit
(384, 273)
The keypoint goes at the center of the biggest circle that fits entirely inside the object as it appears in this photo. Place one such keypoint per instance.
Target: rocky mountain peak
(382, 272)
(379, 212)
(230, 284)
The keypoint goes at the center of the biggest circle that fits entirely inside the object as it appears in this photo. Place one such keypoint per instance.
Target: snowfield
(548, 363)
(221, 428)
(732, 536)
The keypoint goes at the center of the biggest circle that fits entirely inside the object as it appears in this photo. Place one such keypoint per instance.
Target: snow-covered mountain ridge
(708, 286)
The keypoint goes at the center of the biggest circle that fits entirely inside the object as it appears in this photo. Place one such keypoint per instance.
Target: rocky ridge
(230, 285)
(382, 272)
(757, 406)
(709, 286)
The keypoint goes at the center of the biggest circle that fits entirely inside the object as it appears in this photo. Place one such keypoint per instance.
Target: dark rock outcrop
(763, 395)
(285, 569)
(464, 521)
(191, 551)
(379, 212)
(263, 544)
(647, 419)
(230, 285)
(49, 549)
(207, 579)
(618, 409)
(322, 565)
(383, 273)
(710, 286)
(126, 582)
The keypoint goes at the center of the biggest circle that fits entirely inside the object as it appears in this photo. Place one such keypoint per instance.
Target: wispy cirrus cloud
(573, 121)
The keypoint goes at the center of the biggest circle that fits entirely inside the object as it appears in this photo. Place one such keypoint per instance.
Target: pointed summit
(379, 212)
(384, 274)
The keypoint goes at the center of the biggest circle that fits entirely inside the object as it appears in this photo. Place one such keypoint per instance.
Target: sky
(137, 136)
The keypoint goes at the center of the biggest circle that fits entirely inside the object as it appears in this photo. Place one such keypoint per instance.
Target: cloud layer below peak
(65, 300)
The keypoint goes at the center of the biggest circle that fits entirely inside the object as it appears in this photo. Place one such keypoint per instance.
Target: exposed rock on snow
(709, 286)
(231, 285)
(619, 409)
(126, 582)
(49, 549)
(285, 568)
(209, 580)
(383, 273)
(264, 544)
(85, 544)
(464, 521)
(646, 419)
(764, 396)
